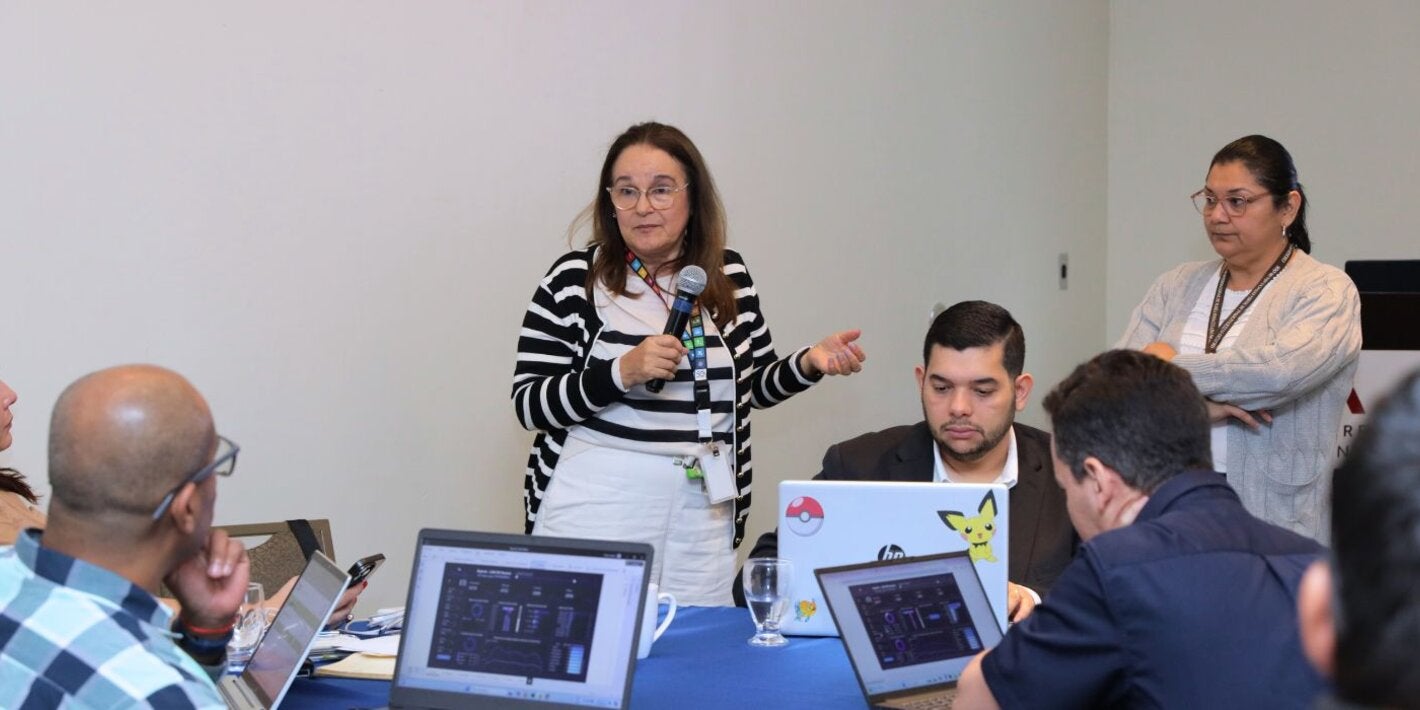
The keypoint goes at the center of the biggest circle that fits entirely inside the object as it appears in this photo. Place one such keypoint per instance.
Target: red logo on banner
(1354, 403)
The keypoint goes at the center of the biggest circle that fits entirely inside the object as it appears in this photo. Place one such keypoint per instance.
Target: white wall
(1334, 82)
(330, 215)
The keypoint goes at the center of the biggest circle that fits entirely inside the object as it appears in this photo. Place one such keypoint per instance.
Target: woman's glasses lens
(661, 196)
(1234, 205)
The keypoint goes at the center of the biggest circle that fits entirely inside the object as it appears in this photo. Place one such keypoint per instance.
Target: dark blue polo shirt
(1194, 605)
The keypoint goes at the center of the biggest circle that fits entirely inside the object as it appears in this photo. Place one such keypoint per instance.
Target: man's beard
(989, 439)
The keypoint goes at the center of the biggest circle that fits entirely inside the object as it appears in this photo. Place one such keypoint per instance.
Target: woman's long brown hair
(704, 241)
(12, 481)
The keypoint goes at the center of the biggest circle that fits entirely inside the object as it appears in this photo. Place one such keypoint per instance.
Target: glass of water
(251, 624)
(767, 583)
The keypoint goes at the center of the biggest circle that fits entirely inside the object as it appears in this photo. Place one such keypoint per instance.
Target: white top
(1009, 473)
(639, 421)
(1195, 338)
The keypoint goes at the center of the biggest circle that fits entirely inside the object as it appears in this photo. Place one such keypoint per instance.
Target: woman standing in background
(1270, 335)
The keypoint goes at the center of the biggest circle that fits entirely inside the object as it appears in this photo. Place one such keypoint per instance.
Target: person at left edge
(134, 460)
(612, 460)
(19, 510)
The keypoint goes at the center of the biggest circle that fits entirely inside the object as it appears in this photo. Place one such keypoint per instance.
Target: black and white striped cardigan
(556, 386)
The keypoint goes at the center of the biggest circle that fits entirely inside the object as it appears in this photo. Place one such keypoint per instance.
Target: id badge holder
(719, 481)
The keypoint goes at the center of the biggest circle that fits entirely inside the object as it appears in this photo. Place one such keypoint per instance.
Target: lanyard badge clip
(719, 482)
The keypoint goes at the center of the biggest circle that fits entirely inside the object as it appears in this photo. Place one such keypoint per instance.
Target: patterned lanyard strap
(694, 340)
(1217, 331)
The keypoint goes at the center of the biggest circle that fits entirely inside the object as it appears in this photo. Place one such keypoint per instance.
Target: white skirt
(613, 494)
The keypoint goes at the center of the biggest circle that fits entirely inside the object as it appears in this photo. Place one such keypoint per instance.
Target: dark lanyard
(694, 340)
(1217, 331)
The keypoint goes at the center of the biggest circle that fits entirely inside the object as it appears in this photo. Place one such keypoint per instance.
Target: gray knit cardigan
(1296, 357)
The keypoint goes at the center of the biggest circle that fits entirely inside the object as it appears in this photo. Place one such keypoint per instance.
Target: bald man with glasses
(134, 462)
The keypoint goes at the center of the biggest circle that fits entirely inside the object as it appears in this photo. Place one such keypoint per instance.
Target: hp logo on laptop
(891, 552)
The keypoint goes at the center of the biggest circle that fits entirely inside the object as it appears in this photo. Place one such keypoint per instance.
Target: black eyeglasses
(222, 465)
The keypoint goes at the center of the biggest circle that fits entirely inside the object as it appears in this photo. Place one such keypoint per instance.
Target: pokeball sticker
(804, 516)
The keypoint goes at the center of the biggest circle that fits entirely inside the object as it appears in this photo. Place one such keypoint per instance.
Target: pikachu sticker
(805, 609)
(977, 530)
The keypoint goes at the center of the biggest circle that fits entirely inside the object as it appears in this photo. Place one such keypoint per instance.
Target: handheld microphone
(688, 287)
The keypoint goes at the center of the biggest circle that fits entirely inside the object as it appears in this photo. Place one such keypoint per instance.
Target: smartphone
(361, 570)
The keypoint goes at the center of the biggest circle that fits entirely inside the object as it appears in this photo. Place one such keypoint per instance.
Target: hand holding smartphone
(366, 566)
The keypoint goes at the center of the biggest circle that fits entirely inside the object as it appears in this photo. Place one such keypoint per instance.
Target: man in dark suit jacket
(972, 384)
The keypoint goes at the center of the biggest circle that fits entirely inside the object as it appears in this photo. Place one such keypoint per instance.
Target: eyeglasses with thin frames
(1235, 205)
(661, 197)
(222, 465)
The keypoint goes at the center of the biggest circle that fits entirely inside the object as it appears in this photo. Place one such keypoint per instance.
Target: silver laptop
(520, 621)
(911, 626)
(832, 523)
(278, 657)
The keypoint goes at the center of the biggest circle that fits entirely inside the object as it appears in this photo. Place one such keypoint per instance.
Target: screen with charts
(522, 618)
(913, 623)
(917, 620)
(529, 622)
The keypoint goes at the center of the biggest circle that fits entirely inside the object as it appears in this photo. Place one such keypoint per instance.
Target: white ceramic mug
(649, 630)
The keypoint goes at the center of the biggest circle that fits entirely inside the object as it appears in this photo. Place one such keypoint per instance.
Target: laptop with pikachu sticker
(835, 523)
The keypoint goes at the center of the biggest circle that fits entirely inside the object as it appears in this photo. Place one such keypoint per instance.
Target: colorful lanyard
(694, 340)
(1217, 331)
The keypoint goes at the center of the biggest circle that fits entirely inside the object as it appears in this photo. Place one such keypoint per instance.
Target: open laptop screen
(910, 624)
(288, 639)
(529, 619)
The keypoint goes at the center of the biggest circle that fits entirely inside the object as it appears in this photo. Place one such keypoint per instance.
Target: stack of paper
(327, 641)
(360, 665)
(372, 658)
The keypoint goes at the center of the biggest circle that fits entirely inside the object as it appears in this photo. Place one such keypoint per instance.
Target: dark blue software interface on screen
(533, 623)
(918, 620)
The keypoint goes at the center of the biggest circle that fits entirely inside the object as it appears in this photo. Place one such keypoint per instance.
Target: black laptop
(910, 625)
(517, 621)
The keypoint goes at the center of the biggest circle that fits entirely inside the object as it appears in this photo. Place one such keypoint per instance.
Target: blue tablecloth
(702, 661)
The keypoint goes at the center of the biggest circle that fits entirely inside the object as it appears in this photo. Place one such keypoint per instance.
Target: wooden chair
(283, 555)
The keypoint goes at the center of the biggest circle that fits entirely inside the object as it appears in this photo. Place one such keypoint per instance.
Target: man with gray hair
(133, 462)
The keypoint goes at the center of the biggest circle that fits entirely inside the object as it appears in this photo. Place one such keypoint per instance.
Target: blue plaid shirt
(78, 635)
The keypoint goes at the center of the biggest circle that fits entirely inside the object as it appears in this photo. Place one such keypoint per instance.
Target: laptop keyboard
(922, 702)
(241, 693)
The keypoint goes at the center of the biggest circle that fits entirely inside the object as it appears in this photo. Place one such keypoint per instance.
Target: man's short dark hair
(978, 324)
(1137, 414)
(1375, 539)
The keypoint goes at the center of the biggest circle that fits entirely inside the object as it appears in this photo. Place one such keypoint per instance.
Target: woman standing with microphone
(1269, 334)
(613, 458)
